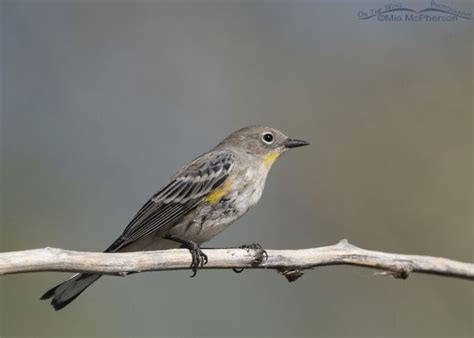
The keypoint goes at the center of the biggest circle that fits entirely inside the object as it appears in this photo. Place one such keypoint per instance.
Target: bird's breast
(233, 199)
(247, 189)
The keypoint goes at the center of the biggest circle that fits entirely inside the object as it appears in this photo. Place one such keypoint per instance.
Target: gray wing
(188, 187)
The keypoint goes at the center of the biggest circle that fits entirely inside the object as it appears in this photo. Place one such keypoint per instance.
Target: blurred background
(103, 101)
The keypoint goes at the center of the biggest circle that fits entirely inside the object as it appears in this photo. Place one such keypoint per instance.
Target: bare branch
(290, 263)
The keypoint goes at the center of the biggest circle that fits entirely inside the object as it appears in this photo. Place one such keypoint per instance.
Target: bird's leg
(199, 258)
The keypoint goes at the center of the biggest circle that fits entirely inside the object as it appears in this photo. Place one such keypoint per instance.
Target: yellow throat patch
(215, 196)
(269, 159)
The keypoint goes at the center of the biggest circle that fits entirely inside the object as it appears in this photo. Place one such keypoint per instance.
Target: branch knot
(291, 274)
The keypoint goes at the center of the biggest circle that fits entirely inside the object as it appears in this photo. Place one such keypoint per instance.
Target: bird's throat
(270, 158)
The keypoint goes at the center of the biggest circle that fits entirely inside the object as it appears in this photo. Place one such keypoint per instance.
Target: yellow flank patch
(270, 158)
(215, 196)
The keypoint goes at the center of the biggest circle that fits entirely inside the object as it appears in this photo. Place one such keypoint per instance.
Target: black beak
(292, 143)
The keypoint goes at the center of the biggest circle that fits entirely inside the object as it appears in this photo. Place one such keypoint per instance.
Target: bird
(202, 199)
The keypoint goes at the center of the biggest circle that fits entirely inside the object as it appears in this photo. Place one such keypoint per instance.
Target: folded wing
(185, 191)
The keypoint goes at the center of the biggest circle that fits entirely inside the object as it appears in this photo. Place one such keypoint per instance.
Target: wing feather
(185, 191)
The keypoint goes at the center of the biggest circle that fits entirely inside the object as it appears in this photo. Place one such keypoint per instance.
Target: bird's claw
(255, 246)
(199, 258)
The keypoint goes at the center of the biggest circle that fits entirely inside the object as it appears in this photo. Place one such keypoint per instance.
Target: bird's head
(264, 142)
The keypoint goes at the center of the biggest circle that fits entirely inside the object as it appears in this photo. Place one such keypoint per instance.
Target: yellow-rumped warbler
(200, 201)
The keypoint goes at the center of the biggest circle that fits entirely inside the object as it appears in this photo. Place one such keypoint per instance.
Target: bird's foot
(199, 258)
(262, 254)
(255, 246)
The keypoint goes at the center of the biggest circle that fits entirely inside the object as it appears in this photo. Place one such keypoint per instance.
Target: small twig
(290, 263)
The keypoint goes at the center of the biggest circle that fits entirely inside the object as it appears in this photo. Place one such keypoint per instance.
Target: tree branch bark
(290, 263)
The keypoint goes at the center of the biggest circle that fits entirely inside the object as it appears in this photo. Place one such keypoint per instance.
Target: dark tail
(68, 290)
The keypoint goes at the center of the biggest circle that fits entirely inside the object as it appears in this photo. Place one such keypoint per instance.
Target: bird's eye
(268, 138)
